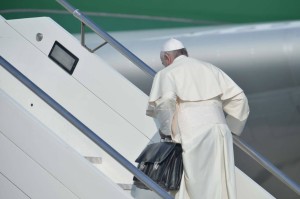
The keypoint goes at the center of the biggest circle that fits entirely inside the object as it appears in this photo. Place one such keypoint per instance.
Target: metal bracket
(83, 40)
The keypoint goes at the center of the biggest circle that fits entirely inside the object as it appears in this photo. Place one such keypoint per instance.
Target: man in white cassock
(199, 106)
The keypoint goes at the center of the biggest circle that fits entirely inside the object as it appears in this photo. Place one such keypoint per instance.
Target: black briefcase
(162, 162)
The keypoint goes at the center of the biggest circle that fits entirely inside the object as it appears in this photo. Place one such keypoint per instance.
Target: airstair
(70, 125)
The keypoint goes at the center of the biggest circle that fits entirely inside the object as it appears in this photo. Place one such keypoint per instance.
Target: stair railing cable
(148, 70)
(84, 129)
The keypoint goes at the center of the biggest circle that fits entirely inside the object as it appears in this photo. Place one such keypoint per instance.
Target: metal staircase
(62, 107)
(85, 21)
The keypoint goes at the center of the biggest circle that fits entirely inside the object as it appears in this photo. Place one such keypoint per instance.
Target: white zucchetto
(172, 44)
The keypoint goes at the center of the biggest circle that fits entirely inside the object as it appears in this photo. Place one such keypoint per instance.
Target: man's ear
(168, 58)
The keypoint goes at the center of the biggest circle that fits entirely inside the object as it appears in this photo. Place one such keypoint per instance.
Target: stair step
(94, 160)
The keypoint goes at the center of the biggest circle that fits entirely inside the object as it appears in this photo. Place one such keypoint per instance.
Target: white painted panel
(30, 177)
(71, 135)
(9, 191)
(100, 110)
(248, 189)
(92, 72)
(41, 164)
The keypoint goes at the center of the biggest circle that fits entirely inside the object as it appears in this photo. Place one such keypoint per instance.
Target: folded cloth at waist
(201, 113)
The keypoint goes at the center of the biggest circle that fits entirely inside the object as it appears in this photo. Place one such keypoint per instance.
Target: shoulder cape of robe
(193, 80)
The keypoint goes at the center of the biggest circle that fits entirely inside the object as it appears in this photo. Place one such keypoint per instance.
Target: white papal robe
(188, 100)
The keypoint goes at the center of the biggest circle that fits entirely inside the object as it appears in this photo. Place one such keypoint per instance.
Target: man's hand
(163, 136)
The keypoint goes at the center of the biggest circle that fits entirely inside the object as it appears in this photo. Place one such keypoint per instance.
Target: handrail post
(84, 129)
(114, 43)
(82, 38)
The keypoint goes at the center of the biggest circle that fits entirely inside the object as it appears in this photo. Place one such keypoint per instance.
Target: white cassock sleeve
(237, 109)
(163, 110)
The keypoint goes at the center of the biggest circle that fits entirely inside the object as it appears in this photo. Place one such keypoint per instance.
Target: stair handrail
(108, 38)
(84, 129)
(236, 140)
(266, 164)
